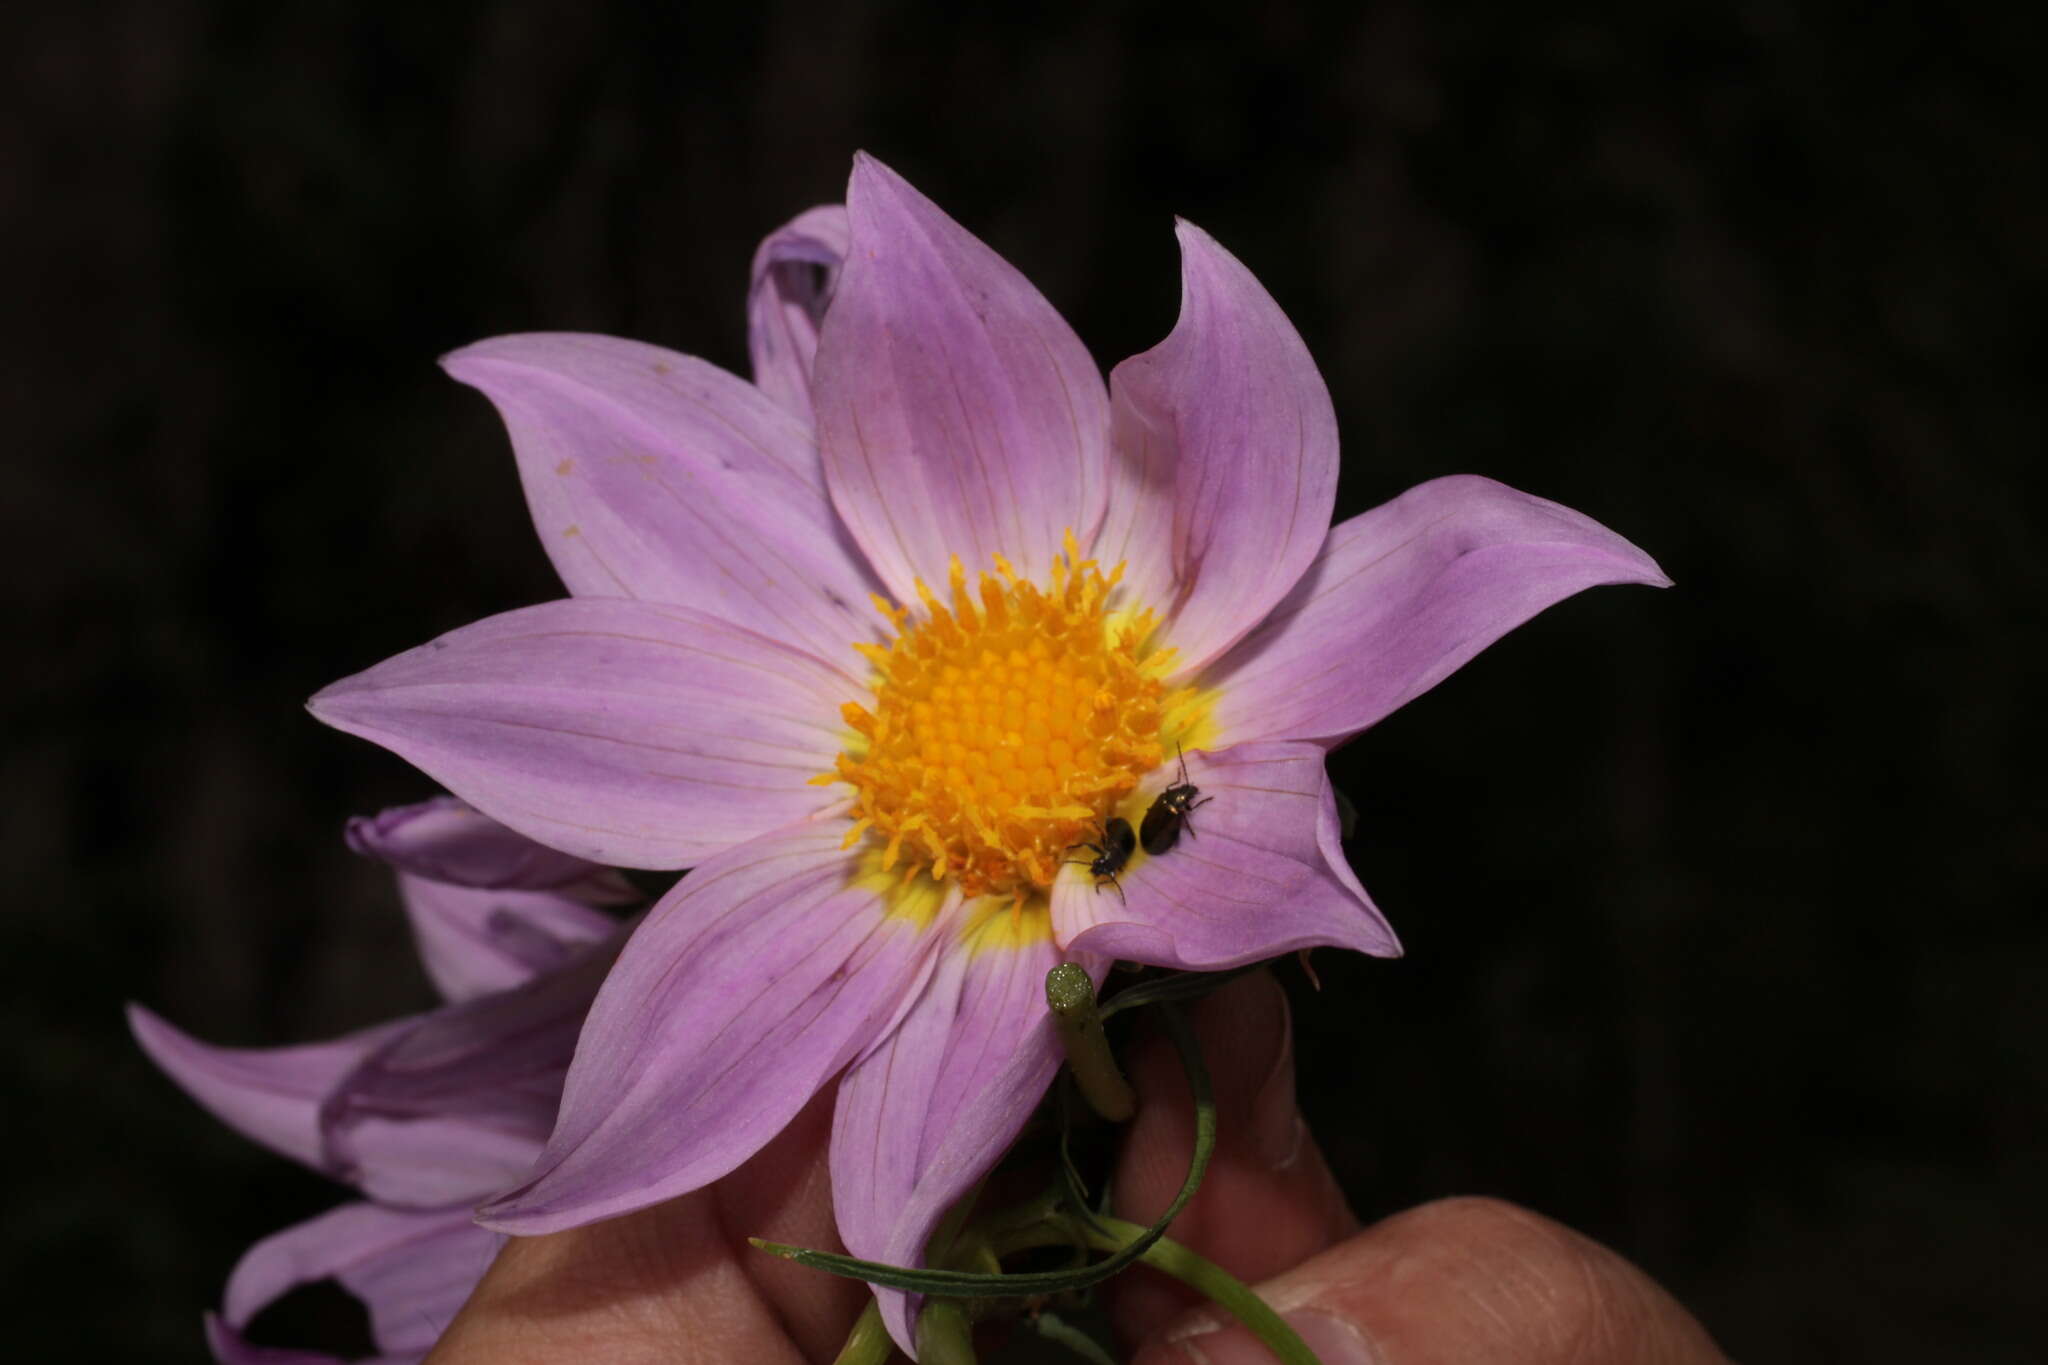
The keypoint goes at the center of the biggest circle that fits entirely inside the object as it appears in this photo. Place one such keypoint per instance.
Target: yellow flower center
(1005, 726)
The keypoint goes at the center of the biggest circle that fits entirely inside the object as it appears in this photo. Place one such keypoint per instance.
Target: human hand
(1470, 1281)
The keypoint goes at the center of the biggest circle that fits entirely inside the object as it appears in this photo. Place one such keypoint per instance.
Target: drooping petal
(795, 271)
(475, 942)
(958, 414)
(1402, 596)
(653, 475)
(413, 1271)
(746, 989)
(925, 1114)
(445, 840)
(269, 1095)
(1224, 467)
(456, 1108)
(623, 732)
(1250, 878)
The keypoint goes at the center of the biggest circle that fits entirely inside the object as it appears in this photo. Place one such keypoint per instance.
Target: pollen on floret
(1006, 722)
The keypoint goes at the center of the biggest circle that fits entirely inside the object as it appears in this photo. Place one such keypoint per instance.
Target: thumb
(1459, 1282)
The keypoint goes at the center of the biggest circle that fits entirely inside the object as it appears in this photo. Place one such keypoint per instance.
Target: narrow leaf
(1180, 986)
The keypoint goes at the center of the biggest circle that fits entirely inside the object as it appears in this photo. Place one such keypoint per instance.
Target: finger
(1459, 1282)
(785, 1195)
(1268, 1201)
(676, 1281)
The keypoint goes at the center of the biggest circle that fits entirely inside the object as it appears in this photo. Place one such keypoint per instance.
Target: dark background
(1723, 904)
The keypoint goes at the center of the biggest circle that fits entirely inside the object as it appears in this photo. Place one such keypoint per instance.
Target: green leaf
(1177, 987)
(965, 1284)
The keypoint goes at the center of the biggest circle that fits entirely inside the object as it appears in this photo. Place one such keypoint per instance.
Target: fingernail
(1333, 1340)
(1277, 1127)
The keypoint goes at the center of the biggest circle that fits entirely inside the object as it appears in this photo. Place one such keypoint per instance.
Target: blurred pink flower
(427, 1115)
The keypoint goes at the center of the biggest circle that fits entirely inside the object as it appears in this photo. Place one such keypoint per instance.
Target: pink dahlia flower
(428, 1115)
(876, 643)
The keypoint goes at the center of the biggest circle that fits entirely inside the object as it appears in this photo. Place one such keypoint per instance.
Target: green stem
(1070, 995)
(938, 1248)
(945, 1333)
(1209, 1280)
(1169, 1257)
(1050, 1326)
(868, 1343)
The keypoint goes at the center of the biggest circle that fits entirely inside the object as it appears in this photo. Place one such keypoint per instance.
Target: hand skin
(1457, 1282)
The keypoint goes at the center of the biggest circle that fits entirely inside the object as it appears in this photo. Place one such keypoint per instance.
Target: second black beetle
(1168, 816)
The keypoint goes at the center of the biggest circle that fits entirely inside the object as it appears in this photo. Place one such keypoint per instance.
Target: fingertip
(1467, 1281)
(1246, 1035)
(1268, 1200)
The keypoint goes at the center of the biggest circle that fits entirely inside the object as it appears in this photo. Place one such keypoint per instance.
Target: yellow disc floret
(1004, 726)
